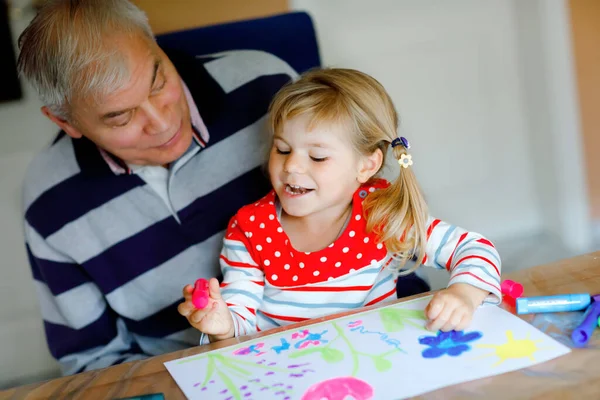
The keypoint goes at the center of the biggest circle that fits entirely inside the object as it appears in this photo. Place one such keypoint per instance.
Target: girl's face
(316, 171)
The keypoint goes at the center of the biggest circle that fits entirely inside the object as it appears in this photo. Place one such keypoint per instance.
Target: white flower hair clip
(405, 160)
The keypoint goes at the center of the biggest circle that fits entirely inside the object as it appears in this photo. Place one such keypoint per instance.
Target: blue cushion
(291, 37)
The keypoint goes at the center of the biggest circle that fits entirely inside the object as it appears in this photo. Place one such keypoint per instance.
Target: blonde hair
(65, 54)
(396, 214)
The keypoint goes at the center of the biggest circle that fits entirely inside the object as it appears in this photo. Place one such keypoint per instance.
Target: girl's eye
(319, 159)
(283, 152)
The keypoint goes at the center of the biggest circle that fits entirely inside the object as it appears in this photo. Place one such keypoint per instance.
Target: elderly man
(129, 203)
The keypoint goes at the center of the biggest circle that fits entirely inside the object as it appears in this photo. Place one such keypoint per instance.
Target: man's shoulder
(51, 166)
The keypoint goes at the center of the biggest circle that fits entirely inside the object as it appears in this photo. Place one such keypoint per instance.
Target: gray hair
(63, 53)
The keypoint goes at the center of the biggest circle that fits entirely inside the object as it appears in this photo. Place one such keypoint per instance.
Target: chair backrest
(290, 37)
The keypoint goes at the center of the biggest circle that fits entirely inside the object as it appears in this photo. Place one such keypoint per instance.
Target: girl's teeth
(293, 189)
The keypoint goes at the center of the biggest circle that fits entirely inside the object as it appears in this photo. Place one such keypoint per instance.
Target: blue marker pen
(561, 302)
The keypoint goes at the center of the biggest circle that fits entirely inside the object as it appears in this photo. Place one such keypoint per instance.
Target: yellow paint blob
(513, 348)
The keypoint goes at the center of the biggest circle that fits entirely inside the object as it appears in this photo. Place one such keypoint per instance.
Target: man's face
(146, 121)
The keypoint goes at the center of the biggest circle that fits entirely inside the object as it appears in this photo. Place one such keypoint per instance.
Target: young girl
(331, 236)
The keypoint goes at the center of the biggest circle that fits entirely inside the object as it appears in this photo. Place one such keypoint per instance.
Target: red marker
(200, 294)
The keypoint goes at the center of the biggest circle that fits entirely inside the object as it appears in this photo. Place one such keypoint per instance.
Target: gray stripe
(112, 222)
(49, 168)
(40, 248)
(163, 285)
(236, 68)
(226, 160)
(75, 308)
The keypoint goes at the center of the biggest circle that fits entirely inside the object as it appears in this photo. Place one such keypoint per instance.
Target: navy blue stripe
(137, 254)
(202, 219)
(59, 276)
(244, 106)
(63, 340)
(73, 198)
(164, 323)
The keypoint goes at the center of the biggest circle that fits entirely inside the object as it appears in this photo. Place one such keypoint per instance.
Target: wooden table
(576, 375)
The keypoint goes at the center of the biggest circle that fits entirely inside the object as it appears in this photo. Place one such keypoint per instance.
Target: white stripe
(50, 167)
(40, 248)
(75, 308)
(163, 285)
(112, 222)
(236, 68)
(237, 255)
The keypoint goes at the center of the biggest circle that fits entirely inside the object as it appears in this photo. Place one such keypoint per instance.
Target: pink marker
(200, 293)
(512, 289)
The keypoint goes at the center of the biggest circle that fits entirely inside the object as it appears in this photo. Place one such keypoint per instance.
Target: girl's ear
(369, 166)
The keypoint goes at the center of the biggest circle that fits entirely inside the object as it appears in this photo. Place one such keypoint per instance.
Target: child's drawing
(356, 357)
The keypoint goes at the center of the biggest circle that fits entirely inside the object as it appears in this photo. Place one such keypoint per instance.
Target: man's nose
(158, 118)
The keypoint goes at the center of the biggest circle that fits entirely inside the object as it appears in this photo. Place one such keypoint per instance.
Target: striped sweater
(109, 256)
(267, 283)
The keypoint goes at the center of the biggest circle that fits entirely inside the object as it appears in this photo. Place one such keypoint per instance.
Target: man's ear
(369, 166)
(62, 123)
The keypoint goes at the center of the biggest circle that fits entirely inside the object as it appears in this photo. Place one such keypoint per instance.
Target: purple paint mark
(287, 398)
(280, 392)
(289, 387)
(229, 398)
(296, 375)
(297, 365)
(261, 361)
(308, 370)
(278, 384)
(243, 387)
(264, 388)
(272, 363)
(204, 388)
(196, 384)
(211, 381)
(247, 394)
(223, 391)
(270, 373)
(254, 380)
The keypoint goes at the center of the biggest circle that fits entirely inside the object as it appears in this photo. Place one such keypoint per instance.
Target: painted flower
(453, 343)
(405, 160)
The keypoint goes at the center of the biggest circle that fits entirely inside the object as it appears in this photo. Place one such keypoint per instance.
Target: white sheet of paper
(379, 354)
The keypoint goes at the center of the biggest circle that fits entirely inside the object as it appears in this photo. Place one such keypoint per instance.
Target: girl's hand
(214, 319)
(453, 308)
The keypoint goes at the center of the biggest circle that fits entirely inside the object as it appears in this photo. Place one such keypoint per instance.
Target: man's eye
(160, 86)
(283, 152)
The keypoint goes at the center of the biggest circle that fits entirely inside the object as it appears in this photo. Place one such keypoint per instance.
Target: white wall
(24, 355)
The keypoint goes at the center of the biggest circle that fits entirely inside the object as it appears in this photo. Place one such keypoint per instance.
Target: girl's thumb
(214, 290)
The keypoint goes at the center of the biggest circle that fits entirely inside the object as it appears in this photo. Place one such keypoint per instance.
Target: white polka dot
(352, 270)
(291, 254)
(359, 255)
(316, 273)
(357, 218)
(380, 246)
(373, 262)
(330, 278)
(249, 234)
(258, 247)
(345, 249)
(301, 265)
(338, 264)
(286, 266)
(280, 229)
(269, 240)
(371, 189)
(271, 203)
(267, 263)
(232, 226)
(271, 217)
(229, 235)
(274, 277)
(295, 278)
(277, 254)
(252, 218)
(323, 259)
(256, 204)
(286, 242)
(366, 240)
(331, 245)
(307, 252)
(262, 226)
(352, 233)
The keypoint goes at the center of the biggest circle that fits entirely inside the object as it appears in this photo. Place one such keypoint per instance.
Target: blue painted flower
(453, 343)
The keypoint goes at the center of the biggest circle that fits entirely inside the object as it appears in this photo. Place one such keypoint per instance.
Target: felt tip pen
(582, 334)
(558, 303)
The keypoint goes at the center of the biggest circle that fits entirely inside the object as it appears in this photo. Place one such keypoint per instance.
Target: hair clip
(401, 141)
(405, 160)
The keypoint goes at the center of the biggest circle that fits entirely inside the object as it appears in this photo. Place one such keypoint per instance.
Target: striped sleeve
(82, 331)
(469, 257)
(243, 279)
(384, 288)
